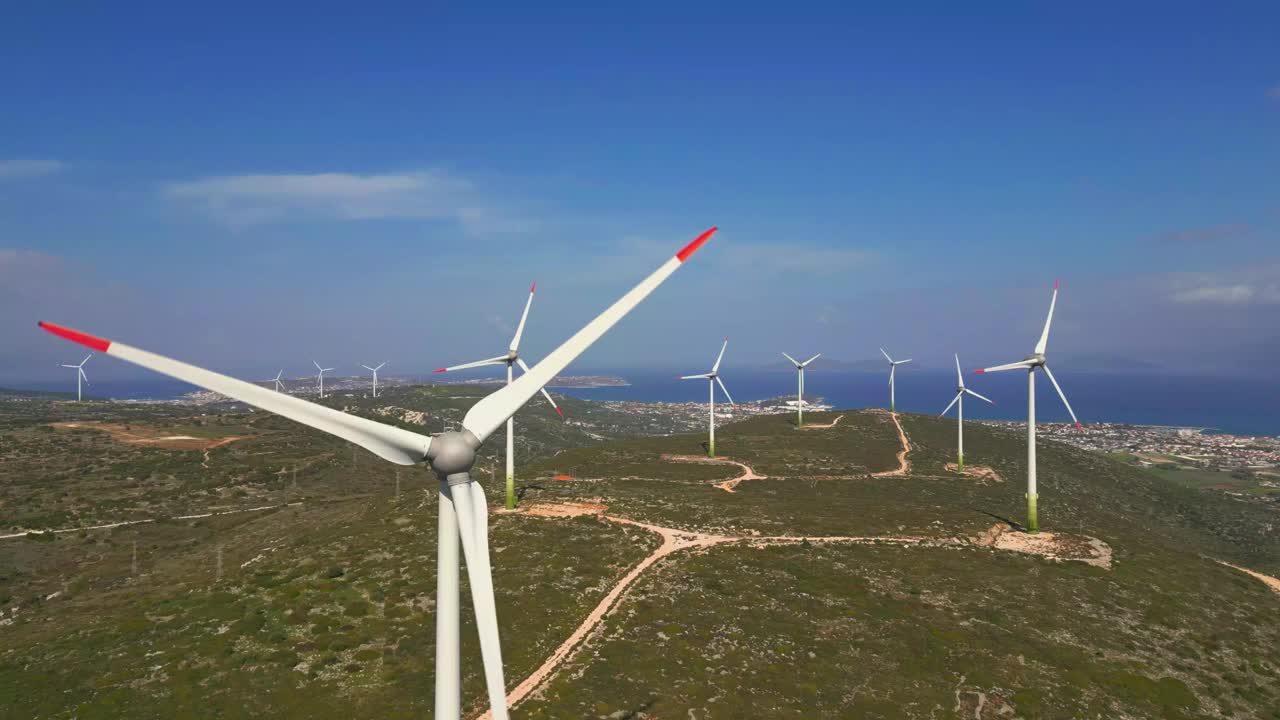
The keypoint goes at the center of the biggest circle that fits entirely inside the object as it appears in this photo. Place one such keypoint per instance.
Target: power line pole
(133, 572)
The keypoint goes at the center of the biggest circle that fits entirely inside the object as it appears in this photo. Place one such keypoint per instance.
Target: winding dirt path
(831, 424)
(904, 465)
(673, 540)
(124, 523)
(727, 485)
(1273, 583)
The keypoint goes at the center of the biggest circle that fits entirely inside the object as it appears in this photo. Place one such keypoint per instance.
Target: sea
(1237, 406)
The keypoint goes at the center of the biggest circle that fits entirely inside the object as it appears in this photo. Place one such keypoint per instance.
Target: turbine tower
(893, 367)
(463, 512)
(80, 376)
(279, 385)
(511, 358)
(958, 401)
(374, 370)
(321, 376)
(1030, 363)
(713, 378)
(800, 366)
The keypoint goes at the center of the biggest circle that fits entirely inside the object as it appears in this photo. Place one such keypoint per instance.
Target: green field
(325, 601)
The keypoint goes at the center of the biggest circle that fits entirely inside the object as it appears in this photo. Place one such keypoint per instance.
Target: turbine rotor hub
(1035, 359)
(452, 454)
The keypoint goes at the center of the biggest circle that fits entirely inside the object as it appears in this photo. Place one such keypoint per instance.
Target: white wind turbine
(321, 376)
(958, 401)
(511, 358)
(279, 385)
(374, 370)
(463, 512)
(1030, 363)
(80, 376)
(800, 366)
(713, 378)
(893, 367)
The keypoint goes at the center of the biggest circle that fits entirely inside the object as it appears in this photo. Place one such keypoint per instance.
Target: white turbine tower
(893, 367)
(713, 378)
(1033, 361)
(320, 375)
(80, 376)
(374, 370)
(800, 366)
(463, 512)
(511, 358)
(279, 385)
(958, 401)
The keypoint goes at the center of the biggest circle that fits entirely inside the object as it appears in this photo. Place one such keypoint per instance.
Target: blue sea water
(1236, 406)
(1231, 405)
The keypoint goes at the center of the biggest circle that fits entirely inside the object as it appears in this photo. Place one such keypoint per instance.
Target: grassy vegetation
(328, 603)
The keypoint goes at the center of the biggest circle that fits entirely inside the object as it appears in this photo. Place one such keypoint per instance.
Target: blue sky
(251, 187)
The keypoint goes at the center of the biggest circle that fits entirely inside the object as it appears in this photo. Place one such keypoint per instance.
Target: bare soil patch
(1062, 547)
(981, 472)
(1271, 582)
(728, 485)
(151, 437)
(819, 426)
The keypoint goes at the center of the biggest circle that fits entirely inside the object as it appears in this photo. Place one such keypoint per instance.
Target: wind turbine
(893, 366)
(80, 376)
(958, 401)
(463, 512)
(1030, 363)
(800, 366)
(321, 376)
(511, 358)
(279, 385)
(713, 378)
(374, 370)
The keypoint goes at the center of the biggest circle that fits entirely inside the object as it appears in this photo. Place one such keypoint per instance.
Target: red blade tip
(692, 247)
(441, 370)
(1055, 283)
(559, 412)
(1079, 427)
(980, 370)
(89, 341)
(533, 287)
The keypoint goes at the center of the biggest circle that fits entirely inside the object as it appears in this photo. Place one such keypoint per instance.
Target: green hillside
(827, 589)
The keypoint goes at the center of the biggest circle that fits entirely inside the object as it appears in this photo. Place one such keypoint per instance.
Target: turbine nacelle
(452, 454)
(1035, 359)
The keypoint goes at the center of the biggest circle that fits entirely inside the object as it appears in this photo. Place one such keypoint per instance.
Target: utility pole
(133, 572)
(218, 576)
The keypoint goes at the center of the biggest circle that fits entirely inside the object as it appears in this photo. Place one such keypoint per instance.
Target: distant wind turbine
(893, 367)
(800, 366)
(511, 358)
(713, 378)
(374, 370)
(321, 376)
(279, 385)
(958, 401)
(80, 376)
(1030, 363)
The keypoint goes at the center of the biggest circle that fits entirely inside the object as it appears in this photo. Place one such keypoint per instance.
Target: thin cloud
(18, 169)
(1259, 286)
(1211, 233)
(242, 200)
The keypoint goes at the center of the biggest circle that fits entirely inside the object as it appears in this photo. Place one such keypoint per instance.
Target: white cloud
(1254, 286)
(254, 199)
(15, 169)
(1224, 294)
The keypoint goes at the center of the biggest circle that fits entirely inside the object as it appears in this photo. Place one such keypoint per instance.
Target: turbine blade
(900, 362)
(313, 362)
(716, 367)
(725, 390)
(515, 341)
(980, 397)
(547, 395)
(1020, 365)
(806, 362)
(492, 411)
(380, 366)
(959, 375)
(793, 360)
(1057, 387)
(500, 360)
(392, 443)
(703, 376)
(473, 529)
(86, 359)
(1044, 336)
(366, 367)
(954, 400)
(83, 376)
(886, 355)
(70, 366)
